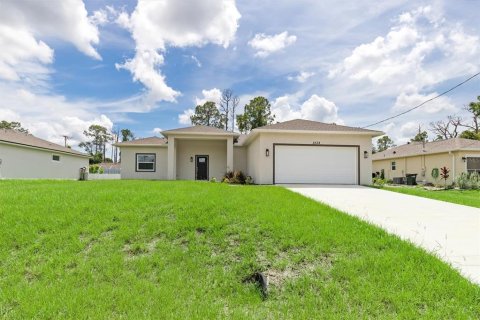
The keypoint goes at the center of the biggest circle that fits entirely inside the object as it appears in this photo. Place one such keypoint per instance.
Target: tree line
(256, 113)
(453, 126)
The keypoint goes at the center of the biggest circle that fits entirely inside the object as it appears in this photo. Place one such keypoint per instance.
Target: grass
(183, 250)
(465, 197)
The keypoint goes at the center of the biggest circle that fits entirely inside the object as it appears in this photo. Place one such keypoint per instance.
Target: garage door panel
(316, 164)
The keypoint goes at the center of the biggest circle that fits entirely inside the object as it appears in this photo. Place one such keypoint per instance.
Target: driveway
(450, 231)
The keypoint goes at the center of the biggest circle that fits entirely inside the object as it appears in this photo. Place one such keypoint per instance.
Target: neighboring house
(458, 155)
(23, 156)
(297, 151)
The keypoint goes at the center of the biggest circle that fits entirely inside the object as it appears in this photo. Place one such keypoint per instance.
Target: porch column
(171, 173)
(230, 154)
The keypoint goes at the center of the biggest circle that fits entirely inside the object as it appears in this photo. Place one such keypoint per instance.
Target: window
(394, 166)
(145, 162)
(55, 157)
(473, 164)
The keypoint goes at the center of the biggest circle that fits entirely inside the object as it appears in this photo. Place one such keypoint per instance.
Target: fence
(104, 176)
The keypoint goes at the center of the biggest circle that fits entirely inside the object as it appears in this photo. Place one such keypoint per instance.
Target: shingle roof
(144, 141)
(417, 148)
(200, 129)
(25, 139)
(308, 125)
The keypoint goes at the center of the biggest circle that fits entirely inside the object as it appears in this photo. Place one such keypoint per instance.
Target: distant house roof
(28, 140)
(150, 141)
(418, 148)
(308, 125)
(205, 130)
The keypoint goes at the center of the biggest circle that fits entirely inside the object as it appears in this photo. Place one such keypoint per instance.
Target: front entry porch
(191, 158)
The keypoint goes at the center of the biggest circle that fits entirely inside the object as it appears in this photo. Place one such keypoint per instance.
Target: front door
(201, 167)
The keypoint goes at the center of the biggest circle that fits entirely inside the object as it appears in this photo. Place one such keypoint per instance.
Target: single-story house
(297, 151)
(457, 154)
(24, 156)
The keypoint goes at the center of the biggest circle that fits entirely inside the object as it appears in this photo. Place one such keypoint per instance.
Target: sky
(144, 65)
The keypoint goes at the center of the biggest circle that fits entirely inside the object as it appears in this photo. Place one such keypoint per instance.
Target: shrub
(95, 168)
(444, 174)
(468, 181)
(249, 180)
(379, 182)
(213, 179)
(235, 177)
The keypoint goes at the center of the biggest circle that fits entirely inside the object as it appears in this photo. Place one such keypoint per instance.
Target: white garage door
(316, 164)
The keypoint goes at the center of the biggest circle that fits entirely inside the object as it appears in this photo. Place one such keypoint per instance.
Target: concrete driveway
(450, 231)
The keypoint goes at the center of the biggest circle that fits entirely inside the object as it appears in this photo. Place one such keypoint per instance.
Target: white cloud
(67, 20)
(315, 108)
(49, 116)
(302, 77)
(157, 131)
(213, 95)
(408, 100)
(184, 118)
(266, 44)
(157, 24)
(420, 50)
(25, 26)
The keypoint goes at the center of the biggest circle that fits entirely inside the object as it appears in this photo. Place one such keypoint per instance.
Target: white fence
(103, 176)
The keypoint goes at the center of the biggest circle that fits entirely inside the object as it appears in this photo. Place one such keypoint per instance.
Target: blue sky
(144, 65)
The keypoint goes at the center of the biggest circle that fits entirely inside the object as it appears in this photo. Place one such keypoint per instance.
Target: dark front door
(201, 167)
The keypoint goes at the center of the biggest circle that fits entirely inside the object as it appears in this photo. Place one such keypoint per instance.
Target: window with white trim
(145, 162)
(55, 157)
(473, 164)
(394, 166)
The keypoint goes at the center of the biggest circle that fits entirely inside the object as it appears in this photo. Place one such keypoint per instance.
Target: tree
(16, 126)
(385, 143)
(127, 135)
(446, 129)
(228, 106)
(421, 136)
(470, 134)
(98, 136)
(256, 114)
(208, 115)
(474, 109)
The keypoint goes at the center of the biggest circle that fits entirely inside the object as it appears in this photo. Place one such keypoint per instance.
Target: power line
(424, 102)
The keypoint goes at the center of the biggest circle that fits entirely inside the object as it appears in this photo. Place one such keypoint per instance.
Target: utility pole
(65, 137)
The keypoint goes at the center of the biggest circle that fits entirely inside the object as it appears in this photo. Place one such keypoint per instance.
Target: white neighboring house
(23, 156)
(296, 151)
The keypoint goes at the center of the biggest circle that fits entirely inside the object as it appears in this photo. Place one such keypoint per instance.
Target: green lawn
(465, 197)
(182, 250)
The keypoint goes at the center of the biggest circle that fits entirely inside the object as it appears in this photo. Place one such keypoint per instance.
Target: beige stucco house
(458, 155)
(297, 151)
(24, 156)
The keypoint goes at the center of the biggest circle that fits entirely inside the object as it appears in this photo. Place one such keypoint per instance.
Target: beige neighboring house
(458, 155)
(297, 151)
(23, 156)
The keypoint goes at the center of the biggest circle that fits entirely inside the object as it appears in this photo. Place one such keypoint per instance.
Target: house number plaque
(316, 142)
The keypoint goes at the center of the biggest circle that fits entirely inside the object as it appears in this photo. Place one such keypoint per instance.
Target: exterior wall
(253, 159)
(128, 164)
(19, 162)
(260, 167)
(423, 165)
(216, 150)
(240, 159)
(460, 165)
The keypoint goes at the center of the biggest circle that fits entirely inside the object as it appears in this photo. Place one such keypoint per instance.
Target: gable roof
(417, 148)
(29, 140)
(150, 141)
(203, 130)
(309, 125)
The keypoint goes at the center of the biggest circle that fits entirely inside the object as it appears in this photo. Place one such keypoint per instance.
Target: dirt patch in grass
(277, 277)
(136, 250)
